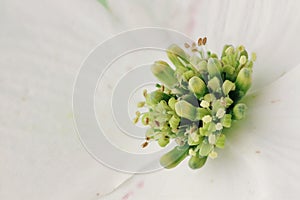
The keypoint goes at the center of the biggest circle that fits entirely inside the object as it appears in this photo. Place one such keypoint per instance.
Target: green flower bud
(174, 157)
(201, 112)
(243, 60)
(163, 141)
(205, 149)
(197, 162)
(197, 86)
(224, 49)
(174, 122)
(239, 111)
(218, 64)
(141, 104)
(214, 84)
(186, 110)
(228, 101)
(226, 121)
(164, 73)
(212, 68)
(188, 74)
(243, 83)
(209, 97)
(230, 72)
(204, 130)
(155, 97)
(145, 119)
(229, 50)
(253, 57)
(177, 55)
(221, 141)
(202, 66)
(227, 87)
(172, 102)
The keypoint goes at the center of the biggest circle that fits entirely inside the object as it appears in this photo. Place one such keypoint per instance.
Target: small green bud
(155, 97)
(253, 57)
(205, 149)
(174, 157)
(188, 74)
(164, 73)
(218, 64)
(186, 110)
(176, 54)
(243, 60)
(197, 86)
(214, 84)
(197, 162)
(212, 68)
(141, 104)
(201, 112)
(239, 111)
(226, 121)
(230, 72)
(209, 97)
(221, 141)
(228, 101)
(243, 82)
(172, 102)
(174, 122)
(229, 50)
(163, 141)
(224, 49)
(204, 130)
(202, 66)
(241, 48)
(227, 87)
(135, 120)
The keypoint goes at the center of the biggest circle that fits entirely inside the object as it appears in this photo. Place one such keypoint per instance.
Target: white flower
(271, 124)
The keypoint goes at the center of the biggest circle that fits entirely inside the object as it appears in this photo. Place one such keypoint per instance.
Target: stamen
(207, 119)
(219, 126)
(186, 45)
(200, 42)
(204, 104)
(220, 113)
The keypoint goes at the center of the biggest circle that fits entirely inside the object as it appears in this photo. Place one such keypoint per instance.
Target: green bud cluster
(199, 96)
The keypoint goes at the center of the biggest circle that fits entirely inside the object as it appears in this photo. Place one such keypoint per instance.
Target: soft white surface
(42, 44)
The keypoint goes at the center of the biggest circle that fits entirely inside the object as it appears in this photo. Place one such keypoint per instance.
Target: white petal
(267, 27)
(260, 161)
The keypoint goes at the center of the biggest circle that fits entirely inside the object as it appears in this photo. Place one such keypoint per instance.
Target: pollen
(220, 113)
(207, 119)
